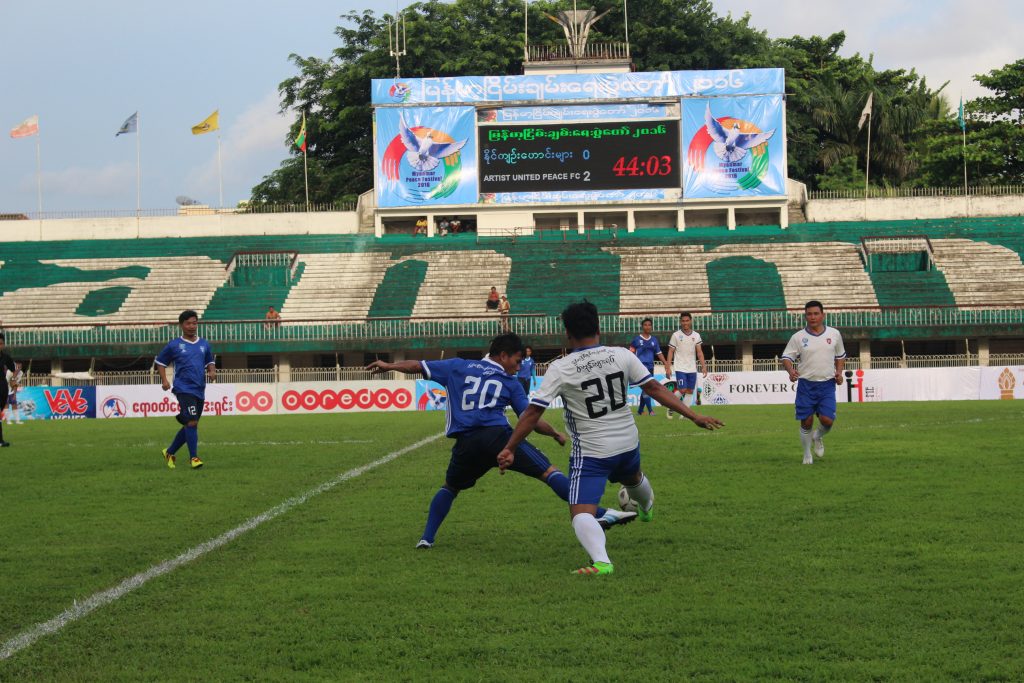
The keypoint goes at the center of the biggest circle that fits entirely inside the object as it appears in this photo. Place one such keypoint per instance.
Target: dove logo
(400, 92)
(424, 163)
(729, 154)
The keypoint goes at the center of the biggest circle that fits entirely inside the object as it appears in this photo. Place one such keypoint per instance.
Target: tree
(994, 136)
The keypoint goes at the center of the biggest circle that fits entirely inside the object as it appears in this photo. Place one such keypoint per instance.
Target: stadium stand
(971, 263)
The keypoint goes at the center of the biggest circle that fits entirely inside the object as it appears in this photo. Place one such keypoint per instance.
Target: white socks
(642, 493)
(591, 536)
(822, 430)
(805, 440)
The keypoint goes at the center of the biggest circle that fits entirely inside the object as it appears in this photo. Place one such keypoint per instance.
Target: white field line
(97, 600)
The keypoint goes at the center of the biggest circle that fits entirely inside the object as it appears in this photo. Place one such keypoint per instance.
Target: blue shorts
(189, 408)
(815, 398)
(476, 452)
(588, 476)
(686, 381)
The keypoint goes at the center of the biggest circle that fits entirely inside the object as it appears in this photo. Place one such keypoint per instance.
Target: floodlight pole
(397, 51)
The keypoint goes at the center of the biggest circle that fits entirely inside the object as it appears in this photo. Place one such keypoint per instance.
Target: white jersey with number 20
(594, 383)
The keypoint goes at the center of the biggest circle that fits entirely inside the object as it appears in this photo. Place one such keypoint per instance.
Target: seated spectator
(273, 317)
(443, 227)
(492, 299)
(455, 226)
(421, 227)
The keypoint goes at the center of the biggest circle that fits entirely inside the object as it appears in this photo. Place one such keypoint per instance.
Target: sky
(84, 67)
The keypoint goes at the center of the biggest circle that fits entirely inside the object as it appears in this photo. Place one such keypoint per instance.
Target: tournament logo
(114, 407)
(424, 162)
(400, 92)
(729, 154)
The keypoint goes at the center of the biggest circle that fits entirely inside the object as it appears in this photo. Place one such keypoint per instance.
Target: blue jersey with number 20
(478, 393)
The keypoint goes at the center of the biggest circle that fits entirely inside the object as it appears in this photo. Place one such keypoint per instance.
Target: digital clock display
(633, 155)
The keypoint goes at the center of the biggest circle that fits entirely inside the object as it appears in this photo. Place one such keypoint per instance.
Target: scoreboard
(621, 155)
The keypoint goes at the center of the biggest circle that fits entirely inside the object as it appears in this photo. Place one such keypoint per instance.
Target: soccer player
(646, 347)
(478, 393)
(193, 363)
(819, 352)
(592, 382)
(527, 370)
(684, 352)
(6, 365)
(14, 381)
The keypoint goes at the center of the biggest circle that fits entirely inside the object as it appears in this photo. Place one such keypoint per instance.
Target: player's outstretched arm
(409, 367)
(527, 423)
(545, 428)
(659, 393)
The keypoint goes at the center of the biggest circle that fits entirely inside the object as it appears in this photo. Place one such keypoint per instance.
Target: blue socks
(559, 483)
(439, 507)
(192, 438)
(179, 441)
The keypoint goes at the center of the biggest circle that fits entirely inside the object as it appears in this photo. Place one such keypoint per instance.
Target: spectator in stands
(6, 364)
(493, 299)
(443, 227)
(455, 226)
(527, 370)
(421, 227)
(273, 318)
(504, 308)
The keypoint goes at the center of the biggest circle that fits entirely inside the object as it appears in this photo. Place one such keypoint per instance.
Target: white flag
(866, 112)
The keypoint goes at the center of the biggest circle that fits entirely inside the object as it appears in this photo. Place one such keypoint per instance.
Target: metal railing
(564, 52)
(905, 192)
(485, 326)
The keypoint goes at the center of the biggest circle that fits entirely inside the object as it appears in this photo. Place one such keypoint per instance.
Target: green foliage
(994, 137)
(897, 557)
(842, 175)
(825, 91)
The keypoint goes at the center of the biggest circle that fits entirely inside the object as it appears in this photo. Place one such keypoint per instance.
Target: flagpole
(305, 168)
(220, 171)
(867, 169)
(39, 177)
(963, 130)
(138, 165)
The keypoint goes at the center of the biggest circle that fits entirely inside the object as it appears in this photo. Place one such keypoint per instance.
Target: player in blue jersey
(192, 359)
(478, 393)
(646, 347)
(527, 370)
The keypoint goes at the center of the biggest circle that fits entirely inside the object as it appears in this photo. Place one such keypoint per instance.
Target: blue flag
(131, 125)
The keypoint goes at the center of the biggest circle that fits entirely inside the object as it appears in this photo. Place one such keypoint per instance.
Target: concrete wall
(912, 208)
(215, 225)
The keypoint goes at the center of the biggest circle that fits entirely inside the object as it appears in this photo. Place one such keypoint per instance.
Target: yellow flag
(209, 124)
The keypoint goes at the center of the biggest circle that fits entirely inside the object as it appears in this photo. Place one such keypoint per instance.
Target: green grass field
(898, 557)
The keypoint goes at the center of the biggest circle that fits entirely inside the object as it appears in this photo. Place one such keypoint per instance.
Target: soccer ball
(626, 504)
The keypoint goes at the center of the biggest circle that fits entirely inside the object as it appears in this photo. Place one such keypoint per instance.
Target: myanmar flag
(300, 141)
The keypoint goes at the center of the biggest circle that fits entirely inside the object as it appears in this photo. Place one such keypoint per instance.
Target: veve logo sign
(63, 402)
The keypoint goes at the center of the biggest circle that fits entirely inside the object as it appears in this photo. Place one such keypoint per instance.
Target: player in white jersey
(593, 382)
(684, 352)
(819, 352)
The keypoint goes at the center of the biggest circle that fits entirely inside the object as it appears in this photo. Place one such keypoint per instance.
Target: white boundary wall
(912, 208)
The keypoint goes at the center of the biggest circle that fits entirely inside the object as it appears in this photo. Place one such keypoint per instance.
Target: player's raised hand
(505, 459)
(707, 422)
(377, 367)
